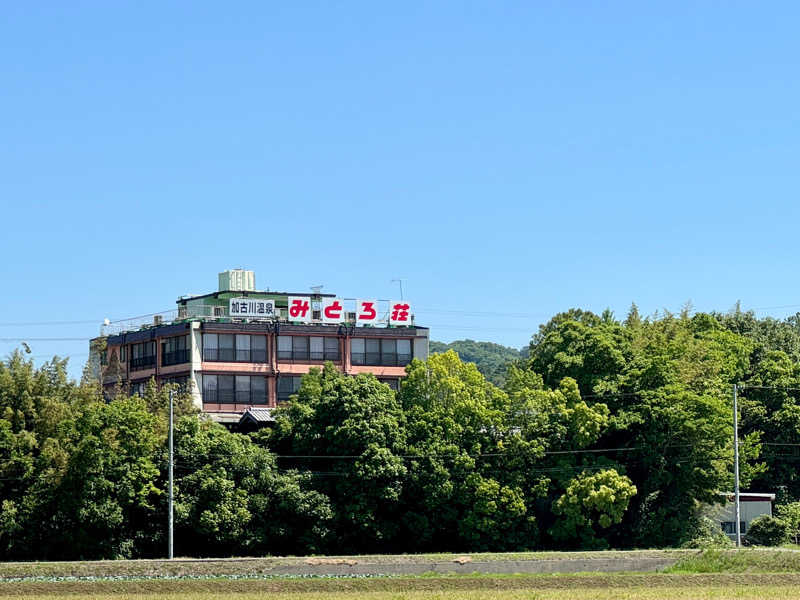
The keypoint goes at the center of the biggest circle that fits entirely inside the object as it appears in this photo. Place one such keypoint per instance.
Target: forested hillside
(611, 434)
(491, 359)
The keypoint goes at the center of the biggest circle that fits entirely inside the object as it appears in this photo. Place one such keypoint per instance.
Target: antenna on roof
(399, 280)
(316, 289)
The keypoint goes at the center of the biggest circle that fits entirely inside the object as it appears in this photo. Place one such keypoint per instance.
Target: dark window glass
(357, 356)
(143, 355)
(226, 389)
(299, 347)
(210, 346)
(243, 389)
(392, 383)
(316, 348)
(403, 352)
(226, 347)
(243, 348)
(331, 348)
(174, 351)
(288, 385)
(258, 390)
(258, 348)
(373, 352)
(210, 388)
(284, 347)
(389, 352)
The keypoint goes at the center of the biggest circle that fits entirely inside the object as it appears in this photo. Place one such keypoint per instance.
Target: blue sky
(516, 159)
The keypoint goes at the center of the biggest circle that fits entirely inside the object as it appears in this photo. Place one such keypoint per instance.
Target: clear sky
(508, 158)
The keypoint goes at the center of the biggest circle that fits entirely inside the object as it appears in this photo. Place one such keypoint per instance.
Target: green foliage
(232, 499)
(706, 533)
(768, 531)
(356, 427)
(591, 502)
(491, 359)
(454, 497)
(790, 513)
(605, 433)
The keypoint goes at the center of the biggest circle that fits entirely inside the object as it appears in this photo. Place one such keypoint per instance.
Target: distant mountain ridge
(491, 359)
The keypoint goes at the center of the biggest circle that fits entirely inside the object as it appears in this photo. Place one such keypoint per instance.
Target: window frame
(381, 352)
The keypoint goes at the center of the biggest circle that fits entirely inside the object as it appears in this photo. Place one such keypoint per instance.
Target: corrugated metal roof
(258, 415)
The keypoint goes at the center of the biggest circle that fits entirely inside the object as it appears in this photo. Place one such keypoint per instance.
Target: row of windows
(228, 347)
(369, 351)
(175, 350)
(143, 355)
(301, 347)
(243, 389)
(238, 389)
(253, 348)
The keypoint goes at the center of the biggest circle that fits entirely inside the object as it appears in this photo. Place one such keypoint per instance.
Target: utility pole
(171, 460)
(736, 507)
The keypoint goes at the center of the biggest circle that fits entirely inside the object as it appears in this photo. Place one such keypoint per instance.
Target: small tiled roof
(258, 415)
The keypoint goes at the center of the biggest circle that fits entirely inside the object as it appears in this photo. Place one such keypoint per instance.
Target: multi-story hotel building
(238, 349)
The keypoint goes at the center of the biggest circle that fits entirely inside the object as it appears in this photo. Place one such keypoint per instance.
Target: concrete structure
(233, 363)
(752, 505)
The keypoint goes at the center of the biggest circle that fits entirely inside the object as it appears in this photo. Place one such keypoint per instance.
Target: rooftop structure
(237, 348)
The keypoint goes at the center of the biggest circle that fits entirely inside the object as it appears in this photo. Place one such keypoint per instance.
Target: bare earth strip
(632, 585)
(544, 562)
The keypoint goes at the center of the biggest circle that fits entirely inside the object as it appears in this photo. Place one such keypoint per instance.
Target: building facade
(236, 349)
(751, 506)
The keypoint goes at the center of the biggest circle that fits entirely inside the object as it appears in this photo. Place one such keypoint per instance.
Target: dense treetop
(608, 433)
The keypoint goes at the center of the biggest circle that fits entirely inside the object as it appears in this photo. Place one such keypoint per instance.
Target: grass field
(709, 593)
(754, 591)
(589, 587)
(743, 574)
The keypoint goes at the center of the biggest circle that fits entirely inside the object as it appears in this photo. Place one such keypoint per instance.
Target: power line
(36, 323)
(42, 339)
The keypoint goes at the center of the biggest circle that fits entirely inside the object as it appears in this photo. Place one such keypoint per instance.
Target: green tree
(356, 429)
(233, 500)
(591, 501)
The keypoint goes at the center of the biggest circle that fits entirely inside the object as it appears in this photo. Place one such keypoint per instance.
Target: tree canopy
(605, 433)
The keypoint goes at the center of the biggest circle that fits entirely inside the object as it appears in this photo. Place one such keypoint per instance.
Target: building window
(288, 385)
(234, 389)
(729, 527)
(331, 348)
(222, 347)
(139, 388)
(143, 356)
(284, 347)
(305, 348)
(392, 383)
(226, 347)
(386, 352)
(243, 348)
(258, 348)
(317, 348)
(299, 347)
(174, 350)
(123, 354)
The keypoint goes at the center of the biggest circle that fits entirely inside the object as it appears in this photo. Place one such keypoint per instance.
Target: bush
(768, 531)
(706, 534)
(791, 514)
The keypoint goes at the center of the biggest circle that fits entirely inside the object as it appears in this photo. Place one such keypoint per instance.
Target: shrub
(768, 531)
(706, 533)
